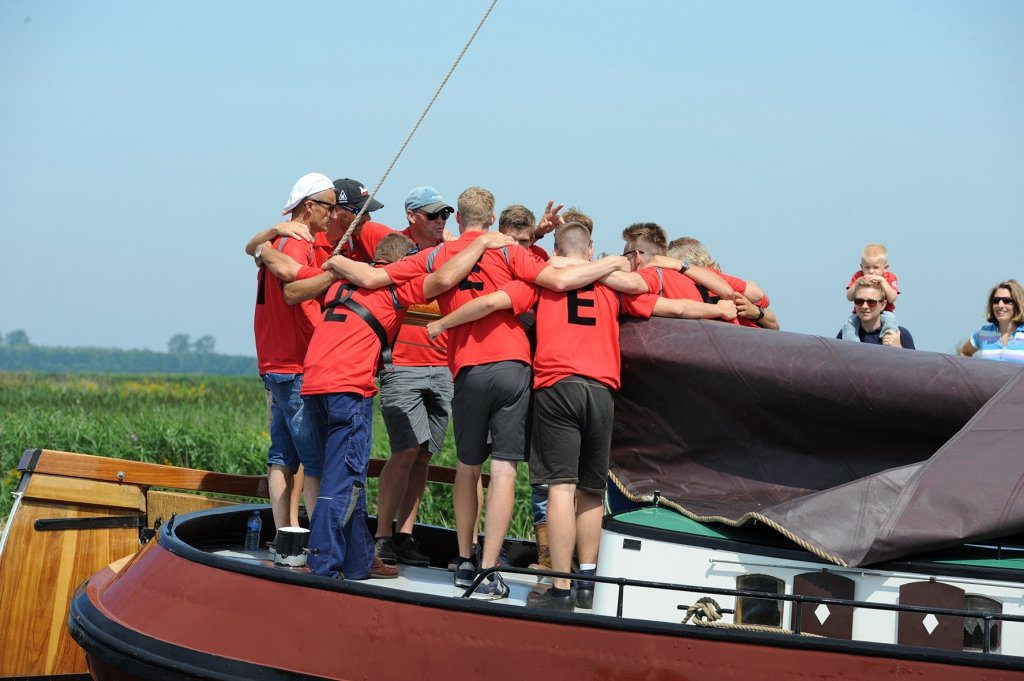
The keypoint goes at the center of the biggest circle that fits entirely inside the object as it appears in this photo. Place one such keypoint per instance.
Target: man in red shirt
(282, 335)
(751, 302)
(576, 371)
(490, 360)
(304, 280)
(344, 356)
(415, 402)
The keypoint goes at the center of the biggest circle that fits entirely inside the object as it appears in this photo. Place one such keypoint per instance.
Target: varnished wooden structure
(73, 515)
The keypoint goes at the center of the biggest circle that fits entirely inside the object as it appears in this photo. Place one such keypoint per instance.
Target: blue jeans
(539, 503)
(290, 439)
(337, 530)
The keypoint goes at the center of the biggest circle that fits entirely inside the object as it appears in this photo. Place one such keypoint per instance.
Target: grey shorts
(572, 434)
(416, 403)
(494, 399)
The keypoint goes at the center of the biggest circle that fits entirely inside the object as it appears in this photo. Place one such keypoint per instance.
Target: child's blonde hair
(874, 252)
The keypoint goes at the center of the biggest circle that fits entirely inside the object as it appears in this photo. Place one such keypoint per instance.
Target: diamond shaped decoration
(930, 621)
(822, 613)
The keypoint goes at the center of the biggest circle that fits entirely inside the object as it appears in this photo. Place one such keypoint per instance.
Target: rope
(705, 613)
(728, 521)
(444, 81)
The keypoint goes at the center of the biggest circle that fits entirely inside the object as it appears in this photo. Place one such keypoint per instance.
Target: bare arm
(570, 278)
(753, 292)
(704, 276)
(694, 309)
(282, 266)
(626, 282)
(306, 289)
(361, 274)
(849, 293)
(762, 316)
(478, 308)
(711, 280)
(296, 230)
(967, 349)
(459, 267)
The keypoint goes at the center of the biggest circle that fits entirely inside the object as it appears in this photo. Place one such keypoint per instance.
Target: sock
(555, 592)
(591, 569)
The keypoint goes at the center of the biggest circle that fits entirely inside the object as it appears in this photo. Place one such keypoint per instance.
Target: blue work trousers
(339, 539)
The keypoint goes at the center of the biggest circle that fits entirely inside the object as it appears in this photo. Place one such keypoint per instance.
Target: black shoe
(454, 562)
(465, 572)
(585, 597)
(408, 551)
(585, 590)
(384, 547)
(548, 601)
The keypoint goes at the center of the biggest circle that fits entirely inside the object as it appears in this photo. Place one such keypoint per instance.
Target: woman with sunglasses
(1003, 337)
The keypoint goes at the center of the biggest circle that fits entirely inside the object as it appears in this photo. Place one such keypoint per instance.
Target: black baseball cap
(353, 193)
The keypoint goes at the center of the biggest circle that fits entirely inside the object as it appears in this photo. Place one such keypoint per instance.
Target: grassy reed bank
(216, 423)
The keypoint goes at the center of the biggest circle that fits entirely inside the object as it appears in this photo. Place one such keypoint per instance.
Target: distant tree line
(180, 343)
(184, 357)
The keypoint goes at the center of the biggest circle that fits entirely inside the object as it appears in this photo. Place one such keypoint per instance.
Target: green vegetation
(216, 423)
(26, 357)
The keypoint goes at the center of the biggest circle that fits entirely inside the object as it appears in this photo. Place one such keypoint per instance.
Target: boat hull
(166, 616)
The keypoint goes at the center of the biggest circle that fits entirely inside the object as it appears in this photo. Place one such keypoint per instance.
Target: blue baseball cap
(426, 199)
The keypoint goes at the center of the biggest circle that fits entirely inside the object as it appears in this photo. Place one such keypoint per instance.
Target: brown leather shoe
(380, 570)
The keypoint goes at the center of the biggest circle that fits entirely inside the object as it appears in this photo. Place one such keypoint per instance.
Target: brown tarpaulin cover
(860, 453)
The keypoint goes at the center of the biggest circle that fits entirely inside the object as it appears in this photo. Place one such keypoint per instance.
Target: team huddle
(524, 358)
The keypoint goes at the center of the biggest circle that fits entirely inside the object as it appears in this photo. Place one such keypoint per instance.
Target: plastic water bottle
(252, 532)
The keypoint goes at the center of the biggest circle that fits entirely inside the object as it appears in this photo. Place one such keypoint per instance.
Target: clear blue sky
(143, 143)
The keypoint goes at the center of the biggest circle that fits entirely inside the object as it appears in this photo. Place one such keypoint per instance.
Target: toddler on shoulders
(874, 264)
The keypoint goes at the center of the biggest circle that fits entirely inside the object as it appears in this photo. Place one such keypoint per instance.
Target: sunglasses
(444, 214)
(870, 302)
(1001, 299)
(322, 203)
(350, 209)
(629, 253)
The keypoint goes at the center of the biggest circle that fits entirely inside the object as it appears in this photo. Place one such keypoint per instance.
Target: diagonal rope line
(444, 81)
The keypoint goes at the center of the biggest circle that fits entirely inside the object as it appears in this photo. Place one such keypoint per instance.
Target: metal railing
(987, 617)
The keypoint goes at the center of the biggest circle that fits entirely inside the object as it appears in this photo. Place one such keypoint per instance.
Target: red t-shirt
(497, 337)
(362, 246)
(888, 276)
(282, 330)
(539, 252)
(670, 284)
(414, 348)
(577, 331)
(344, 352)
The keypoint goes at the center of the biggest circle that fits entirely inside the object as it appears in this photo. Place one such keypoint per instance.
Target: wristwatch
(258, 253)
(760, 313)
(685, 266)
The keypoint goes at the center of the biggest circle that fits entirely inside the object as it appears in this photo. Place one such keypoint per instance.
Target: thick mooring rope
(444, 81)
(705, 613)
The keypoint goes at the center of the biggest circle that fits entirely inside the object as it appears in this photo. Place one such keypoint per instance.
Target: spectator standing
(869, 301)
(874, 264)
(1002, 338)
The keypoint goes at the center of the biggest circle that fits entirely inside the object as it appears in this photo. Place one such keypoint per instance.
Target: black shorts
(491, 398)
(572, 434)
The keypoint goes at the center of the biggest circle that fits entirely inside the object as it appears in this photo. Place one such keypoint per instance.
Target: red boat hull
(196, 616)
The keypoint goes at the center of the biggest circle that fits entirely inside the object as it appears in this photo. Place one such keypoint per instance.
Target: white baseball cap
(307, 186)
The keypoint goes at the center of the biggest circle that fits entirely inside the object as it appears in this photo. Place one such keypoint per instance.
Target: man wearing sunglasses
(868, 304)
(415, 402)
(282, 333)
